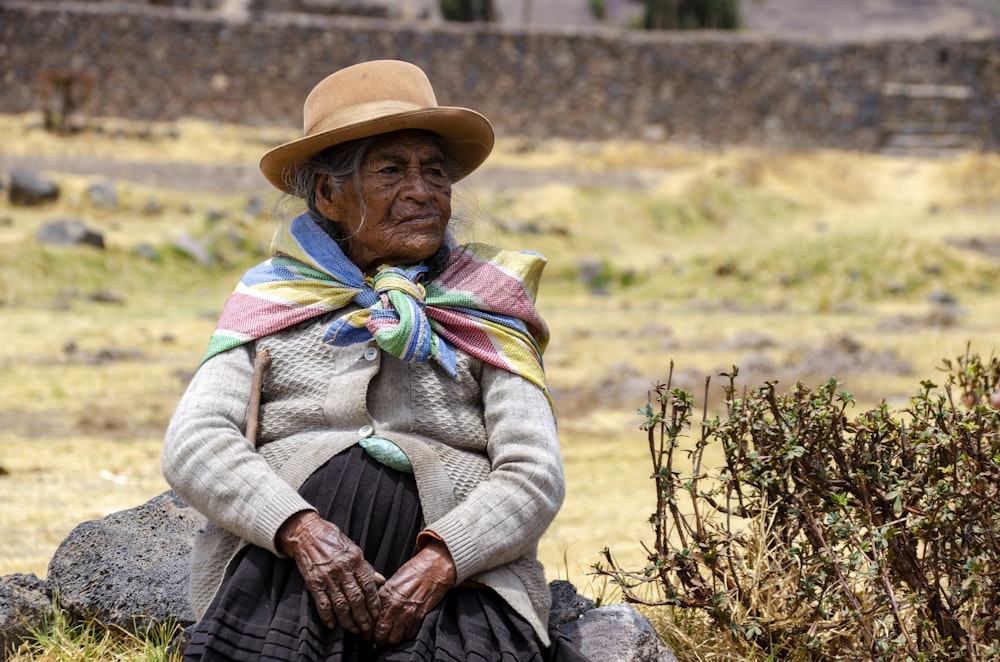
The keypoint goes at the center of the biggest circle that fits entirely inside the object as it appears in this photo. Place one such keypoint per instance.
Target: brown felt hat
(378, 97)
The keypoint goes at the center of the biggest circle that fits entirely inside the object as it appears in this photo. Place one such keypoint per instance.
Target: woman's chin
(421, 244)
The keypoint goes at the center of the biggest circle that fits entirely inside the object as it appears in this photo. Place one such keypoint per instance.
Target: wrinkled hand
(416, 588)
(343, 585)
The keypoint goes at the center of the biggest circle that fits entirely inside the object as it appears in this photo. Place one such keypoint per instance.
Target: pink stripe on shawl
(257, 317)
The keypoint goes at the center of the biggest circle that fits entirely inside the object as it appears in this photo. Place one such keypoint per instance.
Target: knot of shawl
(394, 314)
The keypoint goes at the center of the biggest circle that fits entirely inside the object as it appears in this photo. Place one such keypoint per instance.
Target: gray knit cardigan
(483, 446)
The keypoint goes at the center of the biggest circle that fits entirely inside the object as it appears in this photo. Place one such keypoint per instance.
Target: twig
(260, 366)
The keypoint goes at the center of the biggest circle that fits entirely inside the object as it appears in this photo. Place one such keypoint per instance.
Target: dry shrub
(824, 536)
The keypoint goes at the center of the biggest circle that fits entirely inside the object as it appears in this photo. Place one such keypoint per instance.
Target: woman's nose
(416, 184)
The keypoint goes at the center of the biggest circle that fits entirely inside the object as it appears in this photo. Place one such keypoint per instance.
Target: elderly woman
(370, 435)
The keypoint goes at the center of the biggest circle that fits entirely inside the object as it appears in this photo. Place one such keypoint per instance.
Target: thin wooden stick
(260, 366)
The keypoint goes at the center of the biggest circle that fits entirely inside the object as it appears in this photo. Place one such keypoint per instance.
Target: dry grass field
(793, 266)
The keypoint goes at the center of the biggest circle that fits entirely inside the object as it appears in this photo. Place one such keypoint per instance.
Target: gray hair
(342, 163)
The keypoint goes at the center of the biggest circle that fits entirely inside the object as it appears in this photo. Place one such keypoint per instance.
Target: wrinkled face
(400, 212)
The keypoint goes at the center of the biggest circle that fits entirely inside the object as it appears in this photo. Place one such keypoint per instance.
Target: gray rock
(24, 607)
(152, 207)
(69, 232)
(943, 297)
(194, 249)
(129, 569)
(567, 604)
(29, 189)
(254, 206)
(147, 251)
(104, 195)
(617, 633)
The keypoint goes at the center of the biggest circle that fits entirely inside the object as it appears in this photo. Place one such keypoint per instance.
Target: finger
(364, 601)
(404, 629)
(369, 583)
(409, 627)
(323, 607)
(382, 631)
(400, 619)
(359, 603)
(342, 610)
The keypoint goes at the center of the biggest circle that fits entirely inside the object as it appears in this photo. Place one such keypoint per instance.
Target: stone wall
(156, 63)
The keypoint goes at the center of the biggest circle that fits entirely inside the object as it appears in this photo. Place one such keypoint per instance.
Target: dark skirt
(263, 610)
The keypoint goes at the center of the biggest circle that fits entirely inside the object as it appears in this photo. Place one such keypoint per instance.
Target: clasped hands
(349, 592)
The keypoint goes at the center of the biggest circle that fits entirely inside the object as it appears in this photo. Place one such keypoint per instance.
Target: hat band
(361, 112)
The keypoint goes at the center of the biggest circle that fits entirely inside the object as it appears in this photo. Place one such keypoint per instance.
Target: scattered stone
(845, 355)
(987, 245)
(29, 189)
(102, 356)
(617, 633)
(942, 297)
(593, 274)
(523, 227)
(194, 249)
(103, 195)
(895, 286)
(532, 228)
(941, 317)
(152, 207)
(214, 216)
(24, 606)
(146, 251)
(254, 206)
(112, 354)
(757, 364)
(749, 340)
(69, 232)
(105, 296)
(653, 330)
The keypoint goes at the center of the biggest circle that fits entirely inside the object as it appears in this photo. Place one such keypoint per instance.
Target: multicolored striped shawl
(482, 303)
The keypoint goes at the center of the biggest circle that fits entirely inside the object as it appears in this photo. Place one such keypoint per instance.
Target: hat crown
(366, 91)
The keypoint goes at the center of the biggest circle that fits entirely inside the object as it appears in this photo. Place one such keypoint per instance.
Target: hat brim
(468, 135)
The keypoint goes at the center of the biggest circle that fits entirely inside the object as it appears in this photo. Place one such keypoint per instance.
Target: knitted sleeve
(504, 517)
(208, 461)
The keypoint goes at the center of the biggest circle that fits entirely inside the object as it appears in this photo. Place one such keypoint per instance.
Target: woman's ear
(328, 201)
